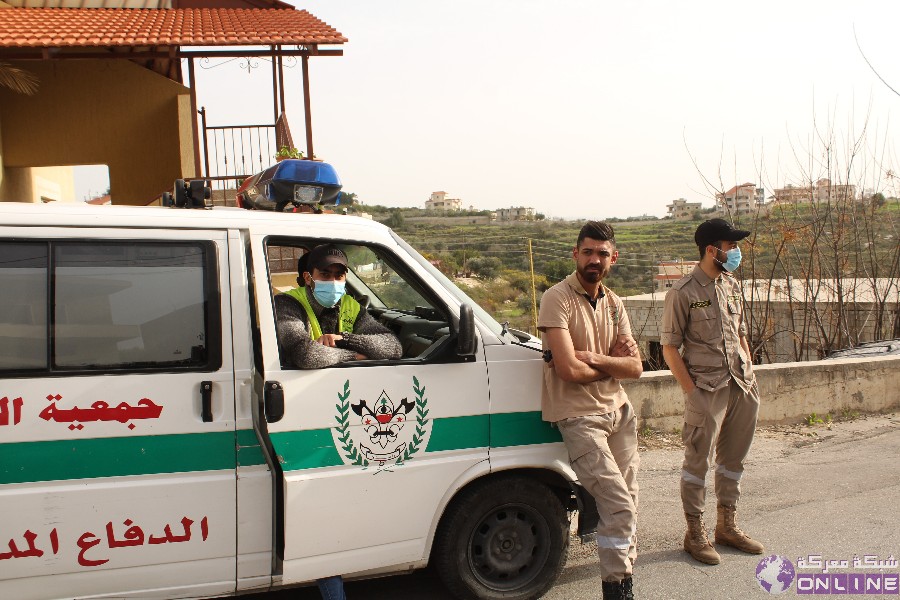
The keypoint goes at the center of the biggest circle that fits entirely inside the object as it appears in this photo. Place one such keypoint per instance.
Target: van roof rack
(195, 193)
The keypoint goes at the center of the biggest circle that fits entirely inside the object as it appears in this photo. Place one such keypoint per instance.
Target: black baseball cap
(322, 257)
(713, 230)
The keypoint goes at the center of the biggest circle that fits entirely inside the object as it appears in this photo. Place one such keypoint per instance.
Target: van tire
(511, 513)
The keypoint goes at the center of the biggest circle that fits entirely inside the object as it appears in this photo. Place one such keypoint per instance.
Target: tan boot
(696, 542)
(729, 534)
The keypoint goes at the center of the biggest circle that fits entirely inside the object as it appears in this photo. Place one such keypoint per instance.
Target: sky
(587, 109)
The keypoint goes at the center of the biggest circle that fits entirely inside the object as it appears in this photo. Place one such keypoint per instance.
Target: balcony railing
(234, 152)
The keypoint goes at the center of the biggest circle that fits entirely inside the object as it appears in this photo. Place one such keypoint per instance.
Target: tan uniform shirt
(706, 316)
(566, 306)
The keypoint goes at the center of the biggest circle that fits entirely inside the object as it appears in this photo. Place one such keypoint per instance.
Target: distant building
(741, 199)
(788, 317)
(671, 271)
(682, 209)
(440, 201)
(520, 213)
(820, 191)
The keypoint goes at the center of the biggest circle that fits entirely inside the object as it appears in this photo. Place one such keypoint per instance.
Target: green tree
(558, 269)
(395, 219)
(486, 267)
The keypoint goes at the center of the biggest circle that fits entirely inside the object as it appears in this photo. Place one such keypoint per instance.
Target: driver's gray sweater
(369, 337)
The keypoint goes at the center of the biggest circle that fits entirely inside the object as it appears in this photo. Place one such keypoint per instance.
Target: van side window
(113, 306)
(23, 298)
(382, 285)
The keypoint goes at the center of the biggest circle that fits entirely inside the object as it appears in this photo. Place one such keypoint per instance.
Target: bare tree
(821, 270)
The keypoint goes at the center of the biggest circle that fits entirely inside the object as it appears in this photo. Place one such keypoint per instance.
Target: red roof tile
(90, 27)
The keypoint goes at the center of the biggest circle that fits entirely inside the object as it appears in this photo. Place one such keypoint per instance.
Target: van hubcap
(509, 547)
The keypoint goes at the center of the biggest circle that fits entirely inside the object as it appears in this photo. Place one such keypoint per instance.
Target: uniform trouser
(604, 456)
(724, 419)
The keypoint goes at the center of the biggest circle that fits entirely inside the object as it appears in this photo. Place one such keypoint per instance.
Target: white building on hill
(440, 201)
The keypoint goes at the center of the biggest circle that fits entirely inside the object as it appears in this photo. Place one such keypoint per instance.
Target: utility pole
(534, 314)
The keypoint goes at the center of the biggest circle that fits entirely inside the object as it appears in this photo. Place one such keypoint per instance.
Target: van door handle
(206, 401)
(274, 401)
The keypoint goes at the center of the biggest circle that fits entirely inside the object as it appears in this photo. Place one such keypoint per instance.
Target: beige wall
(56, 184)
(16, 185)
(108, 112)
(789, 392)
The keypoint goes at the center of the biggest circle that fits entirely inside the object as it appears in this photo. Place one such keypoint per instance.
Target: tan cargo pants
(725, 420)
(604, 456)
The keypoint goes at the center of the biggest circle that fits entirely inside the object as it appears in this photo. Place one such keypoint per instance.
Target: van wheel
(504, 539)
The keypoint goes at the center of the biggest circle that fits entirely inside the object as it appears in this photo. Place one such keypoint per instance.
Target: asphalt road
(824, 491)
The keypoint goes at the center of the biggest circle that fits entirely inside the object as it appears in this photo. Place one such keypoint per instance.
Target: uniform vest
(349, 310)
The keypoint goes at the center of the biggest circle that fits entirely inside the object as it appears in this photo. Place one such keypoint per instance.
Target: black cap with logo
(322, 257)
(713, 230)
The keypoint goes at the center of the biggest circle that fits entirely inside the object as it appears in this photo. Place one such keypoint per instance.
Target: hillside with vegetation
(493, 263)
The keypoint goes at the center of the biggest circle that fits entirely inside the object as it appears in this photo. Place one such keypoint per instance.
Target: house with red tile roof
(116, 86)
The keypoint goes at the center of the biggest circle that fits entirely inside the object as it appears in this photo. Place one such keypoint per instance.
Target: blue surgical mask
(732, 260)
(329, 293)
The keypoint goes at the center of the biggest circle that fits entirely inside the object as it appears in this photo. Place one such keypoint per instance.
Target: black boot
(612, 590)
(627, 593)
(618, 590)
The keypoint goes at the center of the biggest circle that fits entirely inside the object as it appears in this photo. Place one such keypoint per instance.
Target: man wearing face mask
(319, 325)
(704, 315)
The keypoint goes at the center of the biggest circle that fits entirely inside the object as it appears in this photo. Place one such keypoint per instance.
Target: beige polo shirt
(706, 317)
(566, 306)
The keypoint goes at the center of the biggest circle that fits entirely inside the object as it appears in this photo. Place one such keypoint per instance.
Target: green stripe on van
(521, 429)
(298, 450)
(112, 457)
(308, 449)
(311, 449)
(249, 452)
(458, 433)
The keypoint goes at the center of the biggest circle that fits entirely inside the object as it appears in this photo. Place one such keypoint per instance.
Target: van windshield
(448, 285)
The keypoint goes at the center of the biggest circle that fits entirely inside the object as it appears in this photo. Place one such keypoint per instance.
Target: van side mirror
(466, 344)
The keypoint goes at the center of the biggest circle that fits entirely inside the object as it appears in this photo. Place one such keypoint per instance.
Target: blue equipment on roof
(292, 182)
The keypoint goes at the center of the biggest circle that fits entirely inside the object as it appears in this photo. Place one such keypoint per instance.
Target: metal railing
(234, 152)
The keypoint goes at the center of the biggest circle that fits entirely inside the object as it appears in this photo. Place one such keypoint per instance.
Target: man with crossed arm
(588, 333)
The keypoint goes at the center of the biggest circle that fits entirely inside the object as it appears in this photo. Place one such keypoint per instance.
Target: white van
(154, 444)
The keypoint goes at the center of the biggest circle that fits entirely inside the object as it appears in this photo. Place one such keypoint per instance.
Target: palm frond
(18, 80)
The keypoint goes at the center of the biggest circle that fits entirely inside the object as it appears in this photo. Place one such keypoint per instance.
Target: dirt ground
(802, 433)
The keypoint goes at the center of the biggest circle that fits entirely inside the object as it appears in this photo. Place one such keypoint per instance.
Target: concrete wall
(789, 392)
(473, 220)
(780, 323)
(110, 112)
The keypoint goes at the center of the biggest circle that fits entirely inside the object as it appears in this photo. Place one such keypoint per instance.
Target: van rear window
(110, 306)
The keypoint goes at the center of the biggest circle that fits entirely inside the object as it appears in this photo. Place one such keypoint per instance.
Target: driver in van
(319, 325)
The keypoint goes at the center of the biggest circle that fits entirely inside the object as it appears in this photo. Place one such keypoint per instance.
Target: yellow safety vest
(348, 312)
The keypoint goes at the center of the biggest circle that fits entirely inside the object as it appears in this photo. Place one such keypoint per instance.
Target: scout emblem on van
(382, 433)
